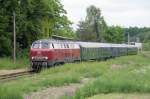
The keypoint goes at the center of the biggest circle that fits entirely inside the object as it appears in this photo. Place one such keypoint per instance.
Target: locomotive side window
(67, 45)
(72, 45)
(62, 46)
(53, 45)
(36, 45)
(76, 46)
(59, 46)
(56, 45)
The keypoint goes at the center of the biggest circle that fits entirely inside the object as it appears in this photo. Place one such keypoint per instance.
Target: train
(50, 52)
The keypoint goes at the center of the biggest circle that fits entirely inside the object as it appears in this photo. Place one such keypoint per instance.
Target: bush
(146, 46)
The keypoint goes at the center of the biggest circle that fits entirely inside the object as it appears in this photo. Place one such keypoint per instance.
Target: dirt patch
(56, 92)
(3, 72)
(116, 66)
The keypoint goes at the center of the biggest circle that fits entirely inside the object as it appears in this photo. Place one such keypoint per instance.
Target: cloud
(116, 12)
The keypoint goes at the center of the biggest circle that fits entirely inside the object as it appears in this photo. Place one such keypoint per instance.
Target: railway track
(13, 76)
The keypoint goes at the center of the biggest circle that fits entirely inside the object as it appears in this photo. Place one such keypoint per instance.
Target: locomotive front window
(45, 45)
(36, 45)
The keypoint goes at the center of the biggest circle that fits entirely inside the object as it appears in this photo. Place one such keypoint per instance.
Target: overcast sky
(116, 12)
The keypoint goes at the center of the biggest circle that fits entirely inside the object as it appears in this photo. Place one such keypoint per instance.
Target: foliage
(64, 29)
(35, 19)
(5, 32)
(92, 28)
(114, 34)
(138, 34)
(146, 46)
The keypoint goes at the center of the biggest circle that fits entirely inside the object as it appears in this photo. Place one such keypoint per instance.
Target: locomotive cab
(46, 53)
(41, 53)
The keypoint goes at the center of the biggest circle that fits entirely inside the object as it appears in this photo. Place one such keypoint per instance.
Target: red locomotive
(45, 53)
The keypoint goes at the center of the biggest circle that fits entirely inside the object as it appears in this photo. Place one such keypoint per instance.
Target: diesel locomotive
(48, 52)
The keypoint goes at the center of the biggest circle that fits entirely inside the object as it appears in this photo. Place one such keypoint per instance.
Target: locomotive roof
(53, 41)
(85, 44)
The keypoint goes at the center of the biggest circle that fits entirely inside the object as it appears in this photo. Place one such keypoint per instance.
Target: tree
(35, 19)
(6, 13)
(93, 26)
(114, 34)
(135, 32)
(62, 27)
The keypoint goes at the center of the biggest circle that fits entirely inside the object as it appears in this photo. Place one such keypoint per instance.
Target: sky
(116, 12)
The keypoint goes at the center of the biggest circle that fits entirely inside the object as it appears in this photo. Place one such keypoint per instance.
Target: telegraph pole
(128, 38)
(14, 33)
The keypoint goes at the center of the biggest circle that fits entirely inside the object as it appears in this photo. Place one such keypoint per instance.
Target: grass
(133, 76)
(121, 96)
(124, 74)
(59, 76)
(146, 46)
(7, 63)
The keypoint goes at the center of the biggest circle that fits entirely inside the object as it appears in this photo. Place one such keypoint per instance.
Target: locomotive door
(56, 53)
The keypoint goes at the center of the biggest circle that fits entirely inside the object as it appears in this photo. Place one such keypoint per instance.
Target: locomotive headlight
(46, 58)
(39, 58)
(32, 57)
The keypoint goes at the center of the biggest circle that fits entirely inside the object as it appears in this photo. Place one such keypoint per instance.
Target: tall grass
(146, 46)
(58, 76)
(131, 75)
(7, 63)
(134, 77)
(121, 96)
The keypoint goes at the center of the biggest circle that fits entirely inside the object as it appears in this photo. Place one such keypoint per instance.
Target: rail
(13, 76)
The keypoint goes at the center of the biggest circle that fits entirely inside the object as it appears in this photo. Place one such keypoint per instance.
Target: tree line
(40, 19)
(35, 19)
(95, 28)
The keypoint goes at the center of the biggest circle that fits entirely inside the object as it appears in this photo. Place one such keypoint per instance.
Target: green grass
(7, 63)
(131, 74)
(121, 96)
(59, 76)
(146, 46)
